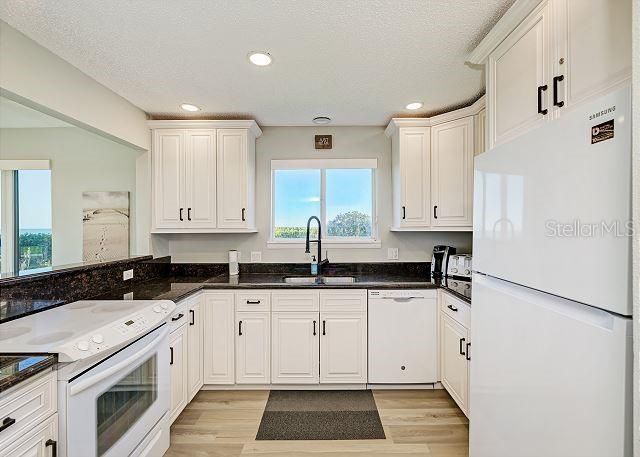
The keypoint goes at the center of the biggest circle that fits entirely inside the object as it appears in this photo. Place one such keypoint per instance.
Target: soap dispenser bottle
(314, 265)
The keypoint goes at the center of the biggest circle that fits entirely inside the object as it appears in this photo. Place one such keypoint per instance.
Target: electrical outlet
(126, 275)
(128, 296)
(392, 253)
(256, 256)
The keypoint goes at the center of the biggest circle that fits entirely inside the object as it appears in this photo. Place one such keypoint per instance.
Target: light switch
(256, 256)
(392, 253)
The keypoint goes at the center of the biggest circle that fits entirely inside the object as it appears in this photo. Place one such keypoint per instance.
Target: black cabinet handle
(178, 317)
(462, 340)
(468, 355)
(193, 317)
(435, 212)
(404, 212)
(243, 211)
(8, 422)
(556, 80)
(253, 302)
(541, 89)
(171, 354)
(452, 308)
(188, 214)
(314, 328)
(324, 327)
(181, 209)
(240, 328)
(54, 447)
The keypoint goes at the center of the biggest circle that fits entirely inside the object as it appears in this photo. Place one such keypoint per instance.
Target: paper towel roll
(233, 263)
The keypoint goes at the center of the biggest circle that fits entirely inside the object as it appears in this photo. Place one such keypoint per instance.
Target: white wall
(298, 142)
(41, 79)
(80, 161)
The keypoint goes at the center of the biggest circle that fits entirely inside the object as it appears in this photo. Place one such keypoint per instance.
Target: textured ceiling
(358, 61)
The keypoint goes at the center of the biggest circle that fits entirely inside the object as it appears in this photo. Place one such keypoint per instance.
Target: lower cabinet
(219, 337)
(253, 347)
(38, 441)
(343, 347)
(295, 348)
(195, 346)
(178, 371)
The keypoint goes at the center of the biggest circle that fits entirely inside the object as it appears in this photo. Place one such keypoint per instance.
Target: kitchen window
(340, 192)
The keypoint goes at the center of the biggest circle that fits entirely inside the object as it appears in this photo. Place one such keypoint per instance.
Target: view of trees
(35, 250)
(352, 223)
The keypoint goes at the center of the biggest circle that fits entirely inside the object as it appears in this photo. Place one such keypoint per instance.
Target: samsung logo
(602, 113)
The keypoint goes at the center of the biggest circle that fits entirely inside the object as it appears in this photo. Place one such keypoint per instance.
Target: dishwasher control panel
(401, 293)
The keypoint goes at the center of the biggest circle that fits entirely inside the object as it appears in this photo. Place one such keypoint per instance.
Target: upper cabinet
(432, 169)
(203, 176)
(543, 58)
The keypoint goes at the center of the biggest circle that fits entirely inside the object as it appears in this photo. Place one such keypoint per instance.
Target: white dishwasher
(403, 336)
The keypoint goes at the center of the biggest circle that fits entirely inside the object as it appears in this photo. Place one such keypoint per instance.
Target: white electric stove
(113, 376)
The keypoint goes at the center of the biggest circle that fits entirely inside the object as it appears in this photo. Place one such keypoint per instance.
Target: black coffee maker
(440, 260)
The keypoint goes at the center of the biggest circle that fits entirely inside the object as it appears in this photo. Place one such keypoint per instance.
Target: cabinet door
(515, 71)
(168, 157)
(218, 349)
(594, 45)
(232, 178)
(178, 371)
(195, 335)
(253, 344)
(454, 368)
(200, 178)
(38, 441)
(414, 176)
(295, 356)
(343, 348)
(452, 173)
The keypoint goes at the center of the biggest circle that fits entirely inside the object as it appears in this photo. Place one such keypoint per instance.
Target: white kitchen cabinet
(253, 347)
(218, 350)
(195, 346)
(518, 78)
(236, 179)
(200, 178)
(178, 360)
(343, 347)
(452, 145)
(479, 131)
(168, 159)
(295, 348)
(38, 441)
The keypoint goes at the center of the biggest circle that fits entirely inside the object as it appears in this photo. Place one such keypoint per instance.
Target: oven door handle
(129, 361)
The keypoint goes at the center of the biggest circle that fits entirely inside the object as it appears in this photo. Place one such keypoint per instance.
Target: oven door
(112, 406)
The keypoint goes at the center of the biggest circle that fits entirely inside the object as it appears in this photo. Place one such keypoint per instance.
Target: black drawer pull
(556, 80)
(6, 423)
(541, 89)
(452, 308)
(240, 328)
(324, 327)
(171, 359)
(314, 328)
(253, 302)
(193, 317)
(462, 340)
(468, 355)
(404, 212)
(54, 447)
(178, 317)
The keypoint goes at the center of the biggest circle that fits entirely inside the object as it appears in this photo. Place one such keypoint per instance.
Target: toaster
(460, 266)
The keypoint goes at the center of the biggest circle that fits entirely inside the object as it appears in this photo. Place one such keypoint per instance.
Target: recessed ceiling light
(189, 107)
(414, 105)
(259, 58)
(321, 120)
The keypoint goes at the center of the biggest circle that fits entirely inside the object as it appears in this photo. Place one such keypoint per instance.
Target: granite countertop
(15, 368)
(13, 308)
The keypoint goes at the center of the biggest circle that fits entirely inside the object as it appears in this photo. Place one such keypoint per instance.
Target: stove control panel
(117, 333)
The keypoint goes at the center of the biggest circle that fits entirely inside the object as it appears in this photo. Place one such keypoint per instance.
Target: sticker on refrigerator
(602, 132)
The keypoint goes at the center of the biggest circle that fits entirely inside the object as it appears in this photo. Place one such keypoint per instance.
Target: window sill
(333, 244)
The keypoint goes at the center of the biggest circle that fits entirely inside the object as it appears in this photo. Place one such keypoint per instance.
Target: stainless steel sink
(300, 279)
(338, 279)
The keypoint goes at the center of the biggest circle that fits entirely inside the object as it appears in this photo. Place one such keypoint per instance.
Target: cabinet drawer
(37, 441)
(28, 405)
(260, 300)
(456, 309)
(295, 300)
(343, 300)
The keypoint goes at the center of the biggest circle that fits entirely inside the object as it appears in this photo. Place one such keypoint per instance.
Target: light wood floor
(416, 423)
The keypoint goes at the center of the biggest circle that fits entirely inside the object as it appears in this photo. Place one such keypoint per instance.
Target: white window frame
(324, 164)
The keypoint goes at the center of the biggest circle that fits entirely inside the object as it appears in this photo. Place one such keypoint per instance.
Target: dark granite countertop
(15, 368)
(13, 308)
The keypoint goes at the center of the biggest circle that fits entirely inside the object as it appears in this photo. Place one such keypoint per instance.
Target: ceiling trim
(511, 19)
(206, 124)
(398, 122)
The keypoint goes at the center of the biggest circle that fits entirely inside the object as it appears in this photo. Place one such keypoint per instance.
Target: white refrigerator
(551, 328)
